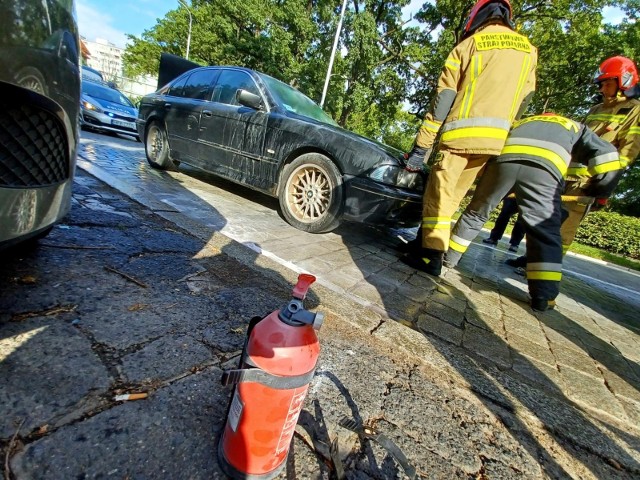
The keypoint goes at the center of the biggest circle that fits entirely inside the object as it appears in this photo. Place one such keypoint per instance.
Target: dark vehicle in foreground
(257, 131)
(39, 104)
(106, 109)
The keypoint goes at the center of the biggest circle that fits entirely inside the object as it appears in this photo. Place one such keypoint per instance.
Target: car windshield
(294, 101)
(107, 94)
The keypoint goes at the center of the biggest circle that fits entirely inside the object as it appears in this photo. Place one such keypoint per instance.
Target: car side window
(176, 88)
(198, 84)
(229, 82)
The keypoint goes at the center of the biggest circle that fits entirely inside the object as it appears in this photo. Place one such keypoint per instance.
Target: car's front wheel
(311, 194)
(157, 148)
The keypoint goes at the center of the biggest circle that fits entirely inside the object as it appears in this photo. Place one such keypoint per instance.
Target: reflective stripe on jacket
(481, 91)
(554, 142)
(617, 120)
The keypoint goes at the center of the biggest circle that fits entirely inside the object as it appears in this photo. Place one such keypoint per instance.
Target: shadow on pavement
(469, 308)
(118, 300)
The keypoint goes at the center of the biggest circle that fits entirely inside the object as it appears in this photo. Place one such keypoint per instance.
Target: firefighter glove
(417, 158)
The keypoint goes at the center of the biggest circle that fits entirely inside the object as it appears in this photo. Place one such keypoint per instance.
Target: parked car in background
(91, 74)
(39, 105)
(257, 131)
(107, 110)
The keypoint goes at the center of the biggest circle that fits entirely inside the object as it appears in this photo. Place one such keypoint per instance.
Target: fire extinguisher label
(235, 412)
(295, 407)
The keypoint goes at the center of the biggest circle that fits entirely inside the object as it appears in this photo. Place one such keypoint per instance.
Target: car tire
(311, 194)
(156, 147)
(31, 78)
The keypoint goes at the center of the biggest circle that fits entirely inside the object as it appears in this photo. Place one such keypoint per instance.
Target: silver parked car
(106, 109)
(39, 104)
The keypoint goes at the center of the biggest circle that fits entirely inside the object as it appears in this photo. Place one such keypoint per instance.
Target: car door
(183, 106)
(232, 135)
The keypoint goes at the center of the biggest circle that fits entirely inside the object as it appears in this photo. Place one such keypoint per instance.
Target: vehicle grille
(33, 150)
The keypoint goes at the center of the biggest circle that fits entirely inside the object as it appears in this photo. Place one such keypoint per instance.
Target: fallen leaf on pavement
(27, 280)
(137, 307)
(55, 310)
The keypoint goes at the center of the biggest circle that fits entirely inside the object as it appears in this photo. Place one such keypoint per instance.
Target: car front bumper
(102, 121)
(372, 202)
(25, 212)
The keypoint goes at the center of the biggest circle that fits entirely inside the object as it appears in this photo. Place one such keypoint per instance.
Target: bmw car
(39, 104)
(107, 110)
(254, 130)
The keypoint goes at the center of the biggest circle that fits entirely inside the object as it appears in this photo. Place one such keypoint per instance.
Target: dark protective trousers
(538, 195)
(509, 209)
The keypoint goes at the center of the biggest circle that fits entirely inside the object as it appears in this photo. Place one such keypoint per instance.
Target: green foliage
(626, 199)
(612, 232)
(385, 67)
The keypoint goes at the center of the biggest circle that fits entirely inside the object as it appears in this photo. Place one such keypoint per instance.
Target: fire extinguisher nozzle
(304, 282)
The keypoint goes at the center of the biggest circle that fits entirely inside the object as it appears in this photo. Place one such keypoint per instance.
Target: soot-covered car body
(257, 131)
(39, 103)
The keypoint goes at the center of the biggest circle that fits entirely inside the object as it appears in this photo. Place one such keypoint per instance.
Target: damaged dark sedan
(252, 129)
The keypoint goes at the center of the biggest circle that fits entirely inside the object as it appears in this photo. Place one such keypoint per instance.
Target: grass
(609, 257)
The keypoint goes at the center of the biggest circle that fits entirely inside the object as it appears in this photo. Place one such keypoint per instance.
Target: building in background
(106, 57)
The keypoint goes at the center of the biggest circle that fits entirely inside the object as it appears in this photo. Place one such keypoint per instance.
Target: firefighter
(533, 164)
(487, 82)
(617, 120)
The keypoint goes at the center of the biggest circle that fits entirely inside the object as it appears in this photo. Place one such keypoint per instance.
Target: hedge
(612, 232)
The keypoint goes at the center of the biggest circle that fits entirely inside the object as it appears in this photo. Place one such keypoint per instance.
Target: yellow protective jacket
(481, 90)
(617, 120)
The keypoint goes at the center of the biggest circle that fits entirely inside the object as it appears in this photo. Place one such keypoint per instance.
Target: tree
(384, 67)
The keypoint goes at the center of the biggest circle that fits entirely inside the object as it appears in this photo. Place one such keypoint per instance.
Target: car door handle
(207, 113)
(167, 105)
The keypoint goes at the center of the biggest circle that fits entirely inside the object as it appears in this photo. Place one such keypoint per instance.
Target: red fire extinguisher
(277, 365)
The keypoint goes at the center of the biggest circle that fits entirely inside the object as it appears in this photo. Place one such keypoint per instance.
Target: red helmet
(477, 17)
(621, 68)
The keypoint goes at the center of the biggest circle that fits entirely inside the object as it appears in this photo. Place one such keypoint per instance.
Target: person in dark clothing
(509, 209)
(532, 165)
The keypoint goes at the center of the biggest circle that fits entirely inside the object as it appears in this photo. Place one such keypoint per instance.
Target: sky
(113, 19)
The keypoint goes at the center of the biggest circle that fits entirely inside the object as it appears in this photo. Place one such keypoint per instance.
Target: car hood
(113, 107)
(383, 150)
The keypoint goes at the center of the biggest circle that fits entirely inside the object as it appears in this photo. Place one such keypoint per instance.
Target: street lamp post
(333, 53)
(190, 21)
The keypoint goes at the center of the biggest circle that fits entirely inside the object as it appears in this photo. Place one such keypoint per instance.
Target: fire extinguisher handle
(304, 282)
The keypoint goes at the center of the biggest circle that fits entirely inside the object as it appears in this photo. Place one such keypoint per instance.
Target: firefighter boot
(540, 304)
(428, 261)
(451, 258)
(517, 262)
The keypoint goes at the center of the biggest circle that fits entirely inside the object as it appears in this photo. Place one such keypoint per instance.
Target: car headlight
(90, 106)
(397, 176)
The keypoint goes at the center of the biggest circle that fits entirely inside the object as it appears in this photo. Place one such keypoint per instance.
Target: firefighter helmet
(481, 14)
(621, 68)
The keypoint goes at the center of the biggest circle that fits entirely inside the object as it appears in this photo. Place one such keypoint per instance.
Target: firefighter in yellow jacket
(616, 120)
(532, 164)
(486, 83)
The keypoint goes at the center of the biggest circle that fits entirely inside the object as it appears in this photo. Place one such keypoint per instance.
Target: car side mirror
(249, 99)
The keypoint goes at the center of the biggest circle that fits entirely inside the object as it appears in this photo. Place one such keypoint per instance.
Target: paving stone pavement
(585, 353)
(587, 348)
